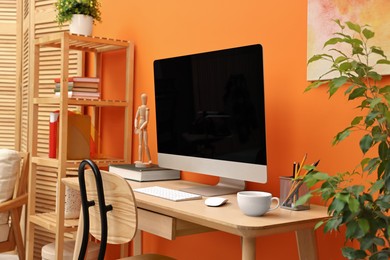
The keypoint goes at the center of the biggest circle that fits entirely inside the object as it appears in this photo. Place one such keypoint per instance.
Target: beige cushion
(9, 167)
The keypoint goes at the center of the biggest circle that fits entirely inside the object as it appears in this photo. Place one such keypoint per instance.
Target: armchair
(13, 196)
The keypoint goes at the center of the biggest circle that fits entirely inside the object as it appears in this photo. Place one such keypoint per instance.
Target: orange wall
(297, 122)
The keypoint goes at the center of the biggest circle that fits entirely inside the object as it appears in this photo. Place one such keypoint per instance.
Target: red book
(53, 126)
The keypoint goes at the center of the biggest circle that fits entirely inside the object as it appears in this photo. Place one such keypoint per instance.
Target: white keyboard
(169, 194)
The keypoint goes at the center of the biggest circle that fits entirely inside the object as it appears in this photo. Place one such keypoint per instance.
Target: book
(79, 131)
(72, 84)
(81, 94)
(79, 79)
(152, 173)
(53, 129)
(81, 89)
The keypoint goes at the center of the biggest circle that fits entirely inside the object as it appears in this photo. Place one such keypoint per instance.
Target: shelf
(45, 192)
(82, 43)
(48, 221)
(50, 162)
(81, 102)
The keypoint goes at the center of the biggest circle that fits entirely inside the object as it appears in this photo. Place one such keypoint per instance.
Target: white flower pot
(81, 24)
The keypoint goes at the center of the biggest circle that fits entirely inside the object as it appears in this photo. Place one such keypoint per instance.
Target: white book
(152, 173)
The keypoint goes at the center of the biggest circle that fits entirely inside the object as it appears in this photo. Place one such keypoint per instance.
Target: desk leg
(248, 248)
(306, 242)
(137, 243)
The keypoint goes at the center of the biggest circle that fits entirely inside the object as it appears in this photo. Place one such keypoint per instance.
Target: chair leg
(15, 226)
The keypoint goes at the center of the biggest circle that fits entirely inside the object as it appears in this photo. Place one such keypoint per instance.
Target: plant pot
(81, 24)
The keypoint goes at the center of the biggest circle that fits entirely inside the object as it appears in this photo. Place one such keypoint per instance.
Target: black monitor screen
(211, 105)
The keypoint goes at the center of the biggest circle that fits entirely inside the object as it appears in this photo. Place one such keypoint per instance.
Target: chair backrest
(122, 219)
(17, 163)
(9, 170)
(21, 180)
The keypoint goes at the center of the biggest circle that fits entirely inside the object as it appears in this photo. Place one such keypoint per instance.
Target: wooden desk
(178, 217)
(170, 219)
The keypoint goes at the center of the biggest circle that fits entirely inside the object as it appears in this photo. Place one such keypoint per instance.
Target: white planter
(81, 24)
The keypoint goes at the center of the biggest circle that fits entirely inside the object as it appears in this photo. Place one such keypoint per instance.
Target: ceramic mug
(256, 203)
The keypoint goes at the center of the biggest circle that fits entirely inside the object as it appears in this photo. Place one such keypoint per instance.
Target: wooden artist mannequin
(140, 124)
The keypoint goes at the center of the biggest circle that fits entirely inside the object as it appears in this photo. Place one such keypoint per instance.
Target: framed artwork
(321, 27)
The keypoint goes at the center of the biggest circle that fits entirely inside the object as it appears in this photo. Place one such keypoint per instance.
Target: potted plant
(363, 208)
(78, 13)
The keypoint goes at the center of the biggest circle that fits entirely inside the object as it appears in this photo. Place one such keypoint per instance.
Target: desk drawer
(166, 226)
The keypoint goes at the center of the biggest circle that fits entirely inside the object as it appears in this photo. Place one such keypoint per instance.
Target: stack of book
(80, 87)
(152, 173)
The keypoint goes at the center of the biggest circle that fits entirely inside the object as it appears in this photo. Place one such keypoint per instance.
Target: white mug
(256, 203)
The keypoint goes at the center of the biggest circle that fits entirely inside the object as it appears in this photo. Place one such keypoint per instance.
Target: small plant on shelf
(67, 8)
(358, 200)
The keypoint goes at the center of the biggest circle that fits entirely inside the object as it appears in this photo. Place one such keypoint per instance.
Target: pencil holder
(290, 191)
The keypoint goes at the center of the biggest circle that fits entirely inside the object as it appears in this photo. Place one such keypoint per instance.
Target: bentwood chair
(109, 211)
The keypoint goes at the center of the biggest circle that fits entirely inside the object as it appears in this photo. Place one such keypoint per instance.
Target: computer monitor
(210, 116)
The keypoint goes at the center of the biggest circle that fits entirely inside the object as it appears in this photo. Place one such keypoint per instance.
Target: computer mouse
(215, 201)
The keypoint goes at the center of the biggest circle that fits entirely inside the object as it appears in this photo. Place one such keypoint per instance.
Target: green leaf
(338, 51)
(353, 27)
(368, 33)
(321, 176)
(303, 199)
(357, 50)
(344, 197)
(319, 224)
(315, 84)
(383, 61)
(366, 243)
(337, 21)
(374, 102)
(336, 207)
(351, 229)
(353, 205)
(341, 136)
(315, 58)
(378, 50)
(332, 224)
(310, 182)
(372, 165)
(357, 189)
(357, 92)
(364, 162)
(379, 241)
(336, 83)
(349, 89)
(381, 255)
(351, 253)
(340, 59)
(333, 41)
(383, 150)
(384, 90)
(376, 186)
(371, 117)
(356, 120)
(383, 204)
(374, 75)
(366, 143)
(364, 225)
(345, 66)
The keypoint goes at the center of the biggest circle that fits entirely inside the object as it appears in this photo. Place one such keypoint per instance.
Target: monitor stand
(223, 187)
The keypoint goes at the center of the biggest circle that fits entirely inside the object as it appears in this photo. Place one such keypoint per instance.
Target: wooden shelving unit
(54, 221)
